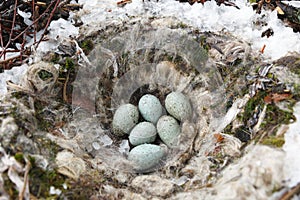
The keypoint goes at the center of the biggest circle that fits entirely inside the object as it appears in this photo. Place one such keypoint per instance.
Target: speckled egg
(144, 132)
(168, 130)
(146, 156)
(125, 118)
(150, 108)
(178, 106)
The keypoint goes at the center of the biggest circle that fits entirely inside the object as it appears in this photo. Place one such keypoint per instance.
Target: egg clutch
(145, 155)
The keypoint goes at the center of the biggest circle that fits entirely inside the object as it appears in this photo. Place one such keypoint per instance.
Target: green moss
(69, 64)
(54, 58)
(294, 65)
(250, 106)
(40, 114)
(182, 25)
(228, 129)
(9, 187)
(17, 95)
(45, 75)
(203, 43)
(273, 141)
(19, 156)
(92, 182)
(87, 46)
(41, 181)
(276, 116)
(296, 92)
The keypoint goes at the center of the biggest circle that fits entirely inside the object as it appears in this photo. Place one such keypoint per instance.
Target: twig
(3, 52)
(289, 194)
(33, 18)
(11, 31)
(1, 37)
(48, 22)
(27, 169)
(44, 13)
(65, 97)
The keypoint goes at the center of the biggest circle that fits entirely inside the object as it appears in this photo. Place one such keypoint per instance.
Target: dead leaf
(219, 137)
(277, 97)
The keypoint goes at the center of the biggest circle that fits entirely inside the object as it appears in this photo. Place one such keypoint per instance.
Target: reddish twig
(289, 194)
(1, 37)
(48, 23)
(15, 35)
(33, 18)
(11, 31)
(44, 13)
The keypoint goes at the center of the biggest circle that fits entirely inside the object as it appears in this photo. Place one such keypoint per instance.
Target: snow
(292, 149)
(15, 75)
(207, 17)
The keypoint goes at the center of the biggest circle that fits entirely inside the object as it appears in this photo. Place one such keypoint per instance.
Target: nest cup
(147, 60)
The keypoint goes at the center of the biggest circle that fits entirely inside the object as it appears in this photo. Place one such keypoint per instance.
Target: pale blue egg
(145, 157)
(125, 118)
(168, 130)
(144, 132)
(178, 105)
(150, 108)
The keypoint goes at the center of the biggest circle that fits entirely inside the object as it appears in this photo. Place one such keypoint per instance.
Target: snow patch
(292, 149)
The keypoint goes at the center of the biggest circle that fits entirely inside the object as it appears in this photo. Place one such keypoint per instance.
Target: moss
(54, 58)
(45, 75)
(182, 25)
(69, 64)
(243, 134)
(92, 182)
(19, 156)
(42, 124)
(273, 141)
(203, 43)
(47, 147)
(17, 95)
(41, 181)
(296, 91)
(9, 187)
(87, 46)
(276, 116)
(228, 129)
(250, 106)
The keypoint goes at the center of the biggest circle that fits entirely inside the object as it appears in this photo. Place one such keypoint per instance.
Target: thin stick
(289, 194)
(44, 13)
(48, 22)
(1, 37)
(33, 18)
(12, 28)
(25, 30)
(27, 169)
(14, 20)
(65, 96)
